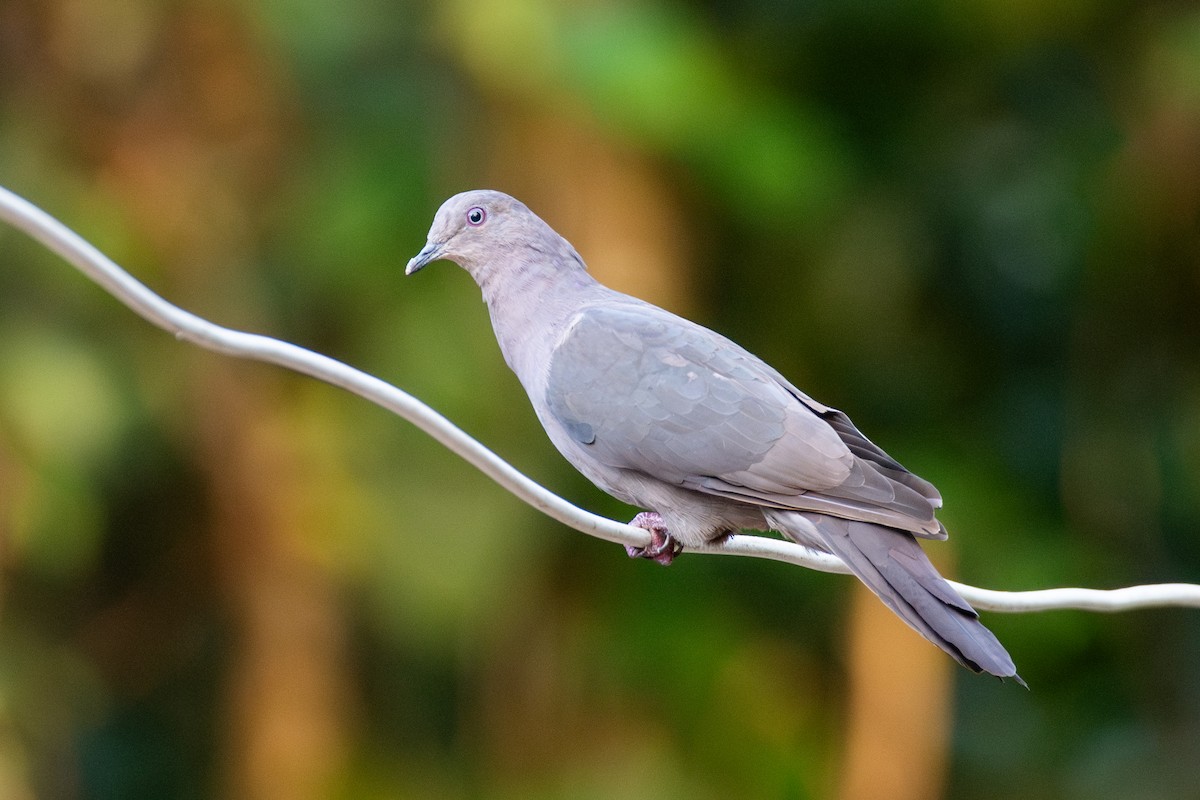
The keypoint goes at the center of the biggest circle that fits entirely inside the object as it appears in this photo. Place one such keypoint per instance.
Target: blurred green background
(973, 226)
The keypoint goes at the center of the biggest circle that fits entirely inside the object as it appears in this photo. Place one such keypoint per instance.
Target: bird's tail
(894, 567)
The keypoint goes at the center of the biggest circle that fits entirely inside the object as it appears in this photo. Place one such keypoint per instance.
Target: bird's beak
(430, 252)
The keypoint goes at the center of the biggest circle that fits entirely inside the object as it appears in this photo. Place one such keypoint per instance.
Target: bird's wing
(647, 391)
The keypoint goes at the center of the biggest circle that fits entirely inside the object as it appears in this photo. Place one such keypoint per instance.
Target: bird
(674, 418)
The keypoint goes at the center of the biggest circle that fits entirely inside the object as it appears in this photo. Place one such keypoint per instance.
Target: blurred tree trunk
(191, 154)
(898, 708)
(286, 689)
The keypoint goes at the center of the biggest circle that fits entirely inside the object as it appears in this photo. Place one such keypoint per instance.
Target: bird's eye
(476, 216)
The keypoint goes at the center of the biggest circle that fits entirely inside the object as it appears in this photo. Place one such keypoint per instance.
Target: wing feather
(647, 391)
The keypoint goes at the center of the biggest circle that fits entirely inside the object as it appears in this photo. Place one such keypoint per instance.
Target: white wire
(27, 217)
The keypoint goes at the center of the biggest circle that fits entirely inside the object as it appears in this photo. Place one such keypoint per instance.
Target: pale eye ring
(476, 216)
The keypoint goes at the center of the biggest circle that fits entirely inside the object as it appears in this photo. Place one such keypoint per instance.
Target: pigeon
(671, 417)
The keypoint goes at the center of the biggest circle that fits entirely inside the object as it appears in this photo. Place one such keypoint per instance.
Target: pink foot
(662, 548)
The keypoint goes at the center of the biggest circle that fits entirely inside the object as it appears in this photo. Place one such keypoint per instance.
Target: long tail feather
(893, 566)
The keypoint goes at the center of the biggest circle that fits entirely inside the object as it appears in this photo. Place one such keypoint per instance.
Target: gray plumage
(669, 416)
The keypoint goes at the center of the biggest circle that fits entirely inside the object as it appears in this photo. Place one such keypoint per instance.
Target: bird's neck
(517, 293)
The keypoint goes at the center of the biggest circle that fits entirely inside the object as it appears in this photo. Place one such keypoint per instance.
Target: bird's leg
(662, 548)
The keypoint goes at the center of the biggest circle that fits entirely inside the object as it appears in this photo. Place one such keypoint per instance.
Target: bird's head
(479, 228)
(472, 227)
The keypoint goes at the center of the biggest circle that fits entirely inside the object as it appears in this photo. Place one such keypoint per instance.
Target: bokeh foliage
(974, 226)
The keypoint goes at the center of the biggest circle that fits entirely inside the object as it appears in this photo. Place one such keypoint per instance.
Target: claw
(662, 548)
